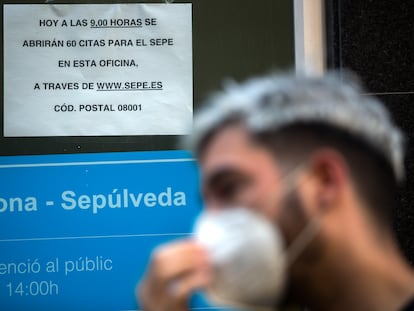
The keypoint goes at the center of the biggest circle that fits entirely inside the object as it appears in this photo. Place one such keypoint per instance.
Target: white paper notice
(97, 69)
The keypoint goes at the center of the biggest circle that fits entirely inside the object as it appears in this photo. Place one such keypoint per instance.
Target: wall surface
(375, 40)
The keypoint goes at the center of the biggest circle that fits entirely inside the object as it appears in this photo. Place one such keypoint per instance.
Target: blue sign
(76, 231)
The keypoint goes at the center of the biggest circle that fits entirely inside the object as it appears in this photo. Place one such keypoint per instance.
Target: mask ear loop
(303, 240)
(310, 231)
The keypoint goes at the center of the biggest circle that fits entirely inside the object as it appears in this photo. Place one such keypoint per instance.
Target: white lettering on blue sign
(124, 199)
(18, 204)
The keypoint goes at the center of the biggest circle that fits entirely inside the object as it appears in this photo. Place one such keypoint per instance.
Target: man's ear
(329, 173)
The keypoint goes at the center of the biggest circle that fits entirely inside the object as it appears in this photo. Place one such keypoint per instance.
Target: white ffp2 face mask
(247, 255)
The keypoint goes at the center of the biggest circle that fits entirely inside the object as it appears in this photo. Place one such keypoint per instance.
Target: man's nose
(213, 206)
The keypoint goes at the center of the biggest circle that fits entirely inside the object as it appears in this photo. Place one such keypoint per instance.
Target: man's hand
(175, 271)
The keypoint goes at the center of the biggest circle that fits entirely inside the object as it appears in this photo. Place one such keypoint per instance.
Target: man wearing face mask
(299, 178)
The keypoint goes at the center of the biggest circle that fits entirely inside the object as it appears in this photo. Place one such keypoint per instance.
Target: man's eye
(229, 190)
(225, 186)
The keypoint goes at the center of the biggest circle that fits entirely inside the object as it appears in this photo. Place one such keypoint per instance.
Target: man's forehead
(230, 143)
(233, 149)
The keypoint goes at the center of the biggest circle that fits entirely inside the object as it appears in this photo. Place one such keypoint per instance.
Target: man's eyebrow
(219, 175)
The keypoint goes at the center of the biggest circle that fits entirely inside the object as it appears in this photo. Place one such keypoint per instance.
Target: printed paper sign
(97, 69)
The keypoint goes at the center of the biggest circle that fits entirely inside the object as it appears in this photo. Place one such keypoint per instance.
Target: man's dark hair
(295, 115)
(370, 171)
